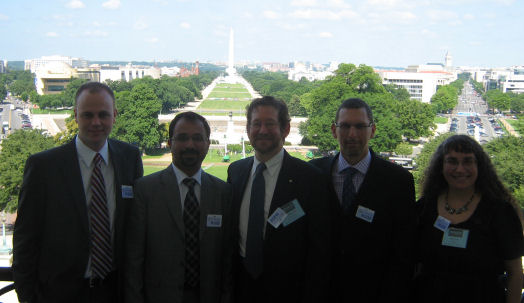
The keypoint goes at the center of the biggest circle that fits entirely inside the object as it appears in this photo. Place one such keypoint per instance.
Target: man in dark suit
(179, 245)
(282, 218)
(372, 203)
(63, 251)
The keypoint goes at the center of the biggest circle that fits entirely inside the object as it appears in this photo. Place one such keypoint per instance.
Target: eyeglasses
(269, 125)
(453, 163)
(184, 138)
(346, 126)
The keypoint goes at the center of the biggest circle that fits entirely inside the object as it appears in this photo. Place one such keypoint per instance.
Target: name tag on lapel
(455, 237)
(277, 217)
(365, 214)
(294, 212)
(127, 191)
(214, 220)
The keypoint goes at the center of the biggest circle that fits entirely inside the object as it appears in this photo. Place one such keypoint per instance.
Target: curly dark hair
(488, 183)
(279, 105)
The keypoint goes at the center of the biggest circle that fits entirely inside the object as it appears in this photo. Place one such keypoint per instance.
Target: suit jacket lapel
(172, 196)
(74, 183)
(284, 189)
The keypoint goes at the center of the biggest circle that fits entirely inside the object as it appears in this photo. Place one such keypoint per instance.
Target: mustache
(263, 136)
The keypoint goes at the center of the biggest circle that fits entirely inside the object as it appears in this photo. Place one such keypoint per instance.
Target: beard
(265, 144)
(189, 158)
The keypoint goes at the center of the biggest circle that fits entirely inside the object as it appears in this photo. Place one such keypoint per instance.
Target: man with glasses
(373, 208)
(282, 216)
(179, 237)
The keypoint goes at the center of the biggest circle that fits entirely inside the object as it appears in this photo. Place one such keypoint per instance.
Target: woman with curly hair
(470, 239)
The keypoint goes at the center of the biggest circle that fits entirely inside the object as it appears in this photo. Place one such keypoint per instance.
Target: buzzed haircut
(190, 116)
(355, 103)
(279, 105)
(94, 87)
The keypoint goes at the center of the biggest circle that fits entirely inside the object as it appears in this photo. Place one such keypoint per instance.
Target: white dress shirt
(183, 189)
(271, 173)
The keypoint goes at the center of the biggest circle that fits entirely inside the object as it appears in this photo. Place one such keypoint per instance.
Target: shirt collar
(180, 175)
(87, 155)
(273, 165)
(361, 166)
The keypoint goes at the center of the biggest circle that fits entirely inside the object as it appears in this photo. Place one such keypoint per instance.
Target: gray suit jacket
(155, 244)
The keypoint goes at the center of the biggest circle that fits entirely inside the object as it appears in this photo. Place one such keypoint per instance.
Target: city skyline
(374, 32)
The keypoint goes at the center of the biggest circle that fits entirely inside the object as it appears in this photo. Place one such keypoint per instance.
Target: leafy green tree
(404, 149)
(137, 122)
(16, 148)
(416, 119)
(423, 159)
(519, 195)
(399, 93)
(506, 155)
(3, 92)
(70, 132)
(497, 100)
(517, 102)
(446, 98)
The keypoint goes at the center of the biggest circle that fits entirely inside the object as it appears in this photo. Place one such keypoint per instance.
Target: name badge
(441, 223)
(365, 213)
(127, 191)
(455, 237)
(277, 217)
(294, 212)
(214, 220)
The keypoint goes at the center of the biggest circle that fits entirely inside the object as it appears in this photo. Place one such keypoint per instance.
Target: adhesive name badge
(214, 220)
(277, 217)
(127, 191)
(455, 237)
(365, 213)
(294, 212)
(441, 223)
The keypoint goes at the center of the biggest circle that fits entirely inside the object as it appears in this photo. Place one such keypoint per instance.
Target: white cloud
(140, 24)
(3, 17)
(270, 14)
(111, 4)
(185, 25)
(323, 14)
(505, 2)
(325, 35)
(315, 14)
(469, 17)
(438, 15)
(304, 3)
(292, 26)
(96, 24)
(338, 4)
(51, 34)
(96, 33)
(74, 4)
(152, 40)
(403, 17)
(428, 33)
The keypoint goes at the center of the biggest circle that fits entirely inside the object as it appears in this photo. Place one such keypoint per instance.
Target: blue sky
(398, 33)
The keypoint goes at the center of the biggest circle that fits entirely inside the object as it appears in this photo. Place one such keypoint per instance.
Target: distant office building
(514, 81)
(275, 67)
(2, 66)
(309, 71)
(421, 81)
(34, 64)
(128, 72)
(53, 77)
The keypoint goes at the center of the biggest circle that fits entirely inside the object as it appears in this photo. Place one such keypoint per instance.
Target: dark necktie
(101, 250)
(254, 260)
(191, 226)
(348, 189)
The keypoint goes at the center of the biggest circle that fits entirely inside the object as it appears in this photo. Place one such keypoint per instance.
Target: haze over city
(373, 32)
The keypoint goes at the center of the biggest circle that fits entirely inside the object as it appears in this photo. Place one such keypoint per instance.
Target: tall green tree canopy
(137, 121)
(16, 148)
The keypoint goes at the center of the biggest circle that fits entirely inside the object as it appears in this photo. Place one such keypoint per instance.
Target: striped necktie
(191, 226)
(101, 250)
(348, 189)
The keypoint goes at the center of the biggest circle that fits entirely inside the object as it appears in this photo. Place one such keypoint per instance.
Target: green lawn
(229, 95)
(440, 120)
(224, 104)
(37, 111)
(229, 89)
(149, 169)
(229, 85)
(219, 171)
(518, 125)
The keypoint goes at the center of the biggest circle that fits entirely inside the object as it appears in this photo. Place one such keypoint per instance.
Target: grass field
(38, 111)
(518, 124)
(440, 120)
(229, 85)
(224, 104)
(229, 95)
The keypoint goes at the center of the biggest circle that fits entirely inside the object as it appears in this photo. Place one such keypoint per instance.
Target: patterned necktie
(191, 226)
(348, 189)
(254, 260)
(101, 249)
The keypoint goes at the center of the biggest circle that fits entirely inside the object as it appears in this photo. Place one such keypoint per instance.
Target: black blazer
(51, 240)
(296, 257)
(373, 262)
